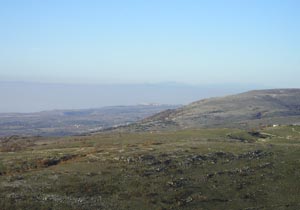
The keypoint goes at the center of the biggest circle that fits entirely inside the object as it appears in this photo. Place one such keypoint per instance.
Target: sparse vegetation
(246, 111)
(188, 169)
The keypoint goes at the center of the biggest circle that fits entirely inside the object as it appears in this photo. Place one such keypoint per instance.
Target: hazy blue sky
(127, 41)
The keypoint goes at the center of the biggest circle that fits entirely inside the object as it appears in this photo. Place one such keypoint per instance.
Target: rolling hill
(245, 110)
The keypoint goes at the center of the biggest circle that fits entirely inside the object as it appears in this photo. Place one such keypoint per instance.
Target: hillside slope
(250, 109)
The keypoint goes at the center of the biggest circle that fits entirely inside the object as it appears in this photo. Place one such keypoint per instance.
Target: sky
(151, 41)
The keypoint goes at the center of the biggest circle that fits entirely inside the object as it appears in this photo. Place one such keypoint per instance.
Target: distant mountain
(35, 97)
(71, 122)
(246, 110)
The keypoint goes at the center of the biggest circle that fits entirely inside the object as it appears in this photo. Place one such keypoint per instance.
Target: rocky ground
(191, 169)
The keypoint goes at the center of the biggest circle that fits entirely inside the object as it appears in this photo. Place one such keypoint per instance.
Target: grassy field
(191, 169)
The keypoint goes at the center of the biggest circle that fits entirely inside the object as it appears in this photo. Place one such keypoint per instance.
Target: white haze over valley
(34, 97)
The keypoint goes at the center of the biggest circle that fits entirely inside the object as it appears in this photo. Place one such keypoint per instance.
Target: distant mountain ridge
(34, 97)
(245, 110)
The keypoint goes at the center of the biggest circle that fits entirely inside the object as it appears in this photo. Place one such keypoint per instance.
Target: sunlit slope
(250, 109)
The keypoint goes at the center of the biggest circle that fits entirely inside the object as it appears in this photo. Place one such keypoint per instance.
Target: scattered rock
(177, 183)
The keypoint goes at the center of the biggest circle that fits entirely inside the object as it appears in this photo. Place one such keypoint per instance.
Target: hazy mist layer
(33, 97)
